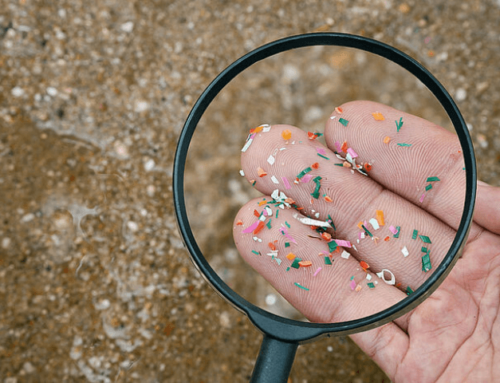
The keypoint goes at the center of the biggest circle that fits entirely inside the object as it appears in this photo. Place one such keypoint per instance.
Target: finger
(354, 199)
(487, 209)
(405, 170)
(324, 290)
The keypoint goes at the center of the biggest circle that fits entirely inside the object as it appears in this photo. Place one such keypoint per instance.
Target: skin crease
(454, 335)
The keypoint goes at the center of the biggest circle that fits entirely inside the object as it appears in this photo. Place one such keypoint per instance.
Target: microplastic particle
(403, 144)
(317, 180)
(425, 239)
(423, 249)
(422, 198)
(352, 284)
(405, 251)
(287, 224)
(399, 231)
(433, 179)
(306, 178)
(399, 124)
(285, 182)
(321, 155)
(370, 285)
(415, 233)
(428, 187)
(332, 246)
(295, 263)
(330, 220)
(277, 212)
(341, 242)
(374, 224)
(275, 180)
(409, 290)
(387, 139)
(271, 160)
(287, 244)
(339, 165)
(426, 263)
(321, 151)
(378, 116)
(288, 268)
(269, 224)
(303, 172)
(393, 229)
(366, 231)
(352, 152)
(251, 228)
(381, 275)
(302, 287)
(328, 261)
(345, 255)
(255, 252)
(242, 173)
(343, 121)
(286, 134)
(317, 271)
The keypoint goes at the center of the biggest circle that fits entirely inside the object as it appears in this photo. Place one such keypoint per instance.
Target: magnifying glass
(359, 224)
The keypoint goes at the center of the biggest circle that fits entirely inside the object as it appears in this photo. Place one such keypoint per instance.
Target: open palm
(453, 335)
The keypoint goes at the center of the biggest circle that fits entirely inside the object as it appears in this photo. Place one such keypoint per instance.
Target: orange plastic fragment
(387, 139)
(305, 263)
(289, 201)
(291, 256)
(263, 202)
(339, 110)
(286, 134)
(259, 227)
(271, 246)
(387, 238)
(326, 236)
(346, 164)
(344, 147)
(311, 135)
(380, 217)
(328, 199)
(315, 165)
(256, 213)
(261, 172)
(360, 223)
(257, 129)
(368, 167)
(358, 287)
(239, 223)
(364, 265)
(378, 116)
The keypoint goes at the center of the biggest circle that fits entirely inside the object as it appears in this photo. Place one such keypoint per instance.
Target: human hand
(454, 335)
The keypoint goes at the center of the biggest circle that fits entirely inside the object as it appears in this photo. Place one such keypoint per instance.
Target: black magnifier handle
(274, 361)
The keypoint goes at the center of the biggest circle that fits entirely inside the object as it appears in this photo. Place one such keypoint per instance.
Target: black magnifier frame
(281, 335)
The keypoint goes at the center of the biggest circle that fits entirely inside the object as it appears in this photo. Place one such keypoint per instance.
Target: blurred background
(94, 282)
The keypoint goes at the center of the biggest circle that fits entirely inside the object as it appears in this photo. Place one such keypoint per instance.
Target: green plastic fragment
(398, 228)
(352, 277)
(409, 290)
(424, 249)
(330, 220)
(316, 180)
(425, 239)
(428, 187)
(287, 244)
(277, 212)
(433, 179)
(269, 224)
(343, 121)
(426, 262)
(332, 245)
(366, 231)
(328, 261)
(399, 124)
(254, 182)
(415, 233)
(286, 223)
(321, 155)
(288, 268)
(404, 144)
(302, 287)
(295, 263)
(255, 252)
(371, 285)
(339, 164)
(304, 172)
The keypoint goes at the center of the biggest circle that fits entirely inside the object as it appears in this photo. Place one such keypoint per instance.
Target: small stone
(133, 227)
(17, 91)
(127, 27)
(28, 368)
(149, 165)
(461, 94)
(52, 91)
(5, 243)
(28, 217)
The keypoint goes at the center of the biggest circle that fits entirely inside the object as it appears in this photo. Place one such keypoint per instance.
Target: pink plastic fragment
(343, 243)
(393, 229)
(306, 178)
(285, 182)
(317, 271)
(353, 285)
(251, 228)
(338, 147)
(352, 153)
(284, 230)
(321, 151)
(422, 198)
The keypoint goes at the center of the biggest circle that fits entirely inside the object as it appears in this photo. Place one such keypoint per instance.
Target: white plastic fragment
(266, 128)
(257, 239)
(369, 277)
(271, 160)
(374, 224)
(275, 180)
(242, 173)
(311, 222)
(247, 145)
(345, 255)
(381, 275)
(405, 251)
